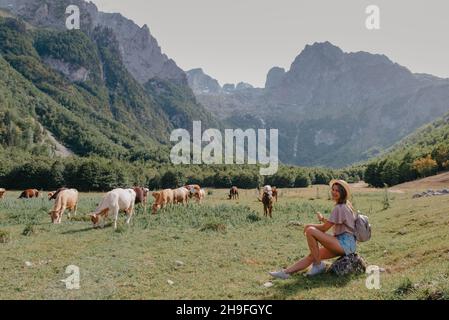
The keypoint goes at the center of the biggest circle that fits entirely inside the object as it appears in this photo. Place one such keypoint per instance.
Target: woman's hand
(320, 217)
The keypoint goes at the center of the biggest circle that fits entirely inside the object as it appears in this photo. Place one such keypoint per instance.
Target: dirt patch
(434, 182)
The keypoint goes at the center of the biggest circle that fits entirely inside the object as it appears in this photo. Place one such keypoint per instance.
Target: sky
(241, 40)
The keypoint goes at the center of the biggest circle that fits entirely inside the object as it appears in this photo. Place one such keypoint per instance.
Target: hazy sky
(240, 40)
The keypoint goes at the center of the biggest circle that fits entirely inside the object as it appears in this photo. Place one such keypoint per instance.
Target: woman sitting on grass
(343, 242)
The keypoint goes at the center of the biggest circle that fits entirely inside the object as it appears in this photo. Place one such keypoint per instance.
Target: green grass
(227, 248)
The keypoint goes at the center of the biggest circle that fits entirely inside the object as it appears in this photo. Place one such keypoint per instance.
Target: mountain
(201, 83)
(335, 108)
(138, 49)
(82, 89)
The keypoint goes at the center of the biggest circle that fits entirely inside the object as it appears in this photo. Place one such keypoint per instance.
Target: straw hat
(344, 184)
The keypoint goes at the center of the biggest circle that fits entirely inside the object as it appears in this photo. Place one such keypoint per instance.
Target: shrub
(214, 226)
(29, 230)
(252, 217)
(5, 236)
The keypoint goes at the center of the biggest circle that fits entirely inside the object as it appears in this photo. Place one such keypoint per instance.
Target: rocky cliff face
(274, 78)
(72, 72)
(201, 83)
(140, 51)
(335, 108)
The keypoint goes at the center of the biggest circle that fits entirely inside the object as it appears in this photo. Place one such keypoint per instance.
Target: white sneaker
(280, 275)
(321, 268)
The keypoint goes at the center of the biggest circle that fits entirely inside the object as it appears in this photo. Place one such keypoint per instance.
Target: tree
(56, 177)
(302, 180)
(425, 166)
(441, 155)
(372, 175)
(173, 179)
(390, 173)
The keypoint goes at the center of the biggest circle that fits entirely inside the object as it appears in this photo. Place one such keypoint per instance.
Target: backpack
(362, 228)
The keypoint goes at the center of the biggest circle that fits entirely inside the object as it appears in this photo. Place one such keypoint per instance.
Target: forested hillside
(422, 154)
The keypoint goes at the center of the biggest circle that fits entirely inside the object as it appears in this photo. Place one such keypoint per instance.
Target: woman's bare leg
(329, 242)
(307, 261)
(332, 249)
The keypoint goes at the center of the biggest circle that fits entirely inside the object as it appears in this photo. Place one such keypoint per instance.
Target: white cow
(115, 201)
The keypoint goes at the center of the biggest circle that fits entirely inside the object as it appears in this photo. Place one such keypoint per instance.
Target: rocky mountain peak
(201, 83)
(140, 51)
(274, 77)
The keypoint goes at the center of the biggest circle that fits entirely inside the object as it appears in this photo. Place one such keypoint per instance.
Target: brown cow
(194, 190)
(29, 194)
(2, 193)
(275, 193)
(234, 193)
(199, 197)
(162, 199)
(66, 199)
(142, 196)
(267, 200)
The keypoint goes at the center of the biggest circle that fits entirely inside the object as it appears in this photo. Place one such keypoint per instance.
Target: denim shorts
(347, 242)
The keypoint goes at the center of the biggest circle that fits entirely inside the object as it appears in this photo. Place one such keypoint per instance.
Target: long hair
(343, 194)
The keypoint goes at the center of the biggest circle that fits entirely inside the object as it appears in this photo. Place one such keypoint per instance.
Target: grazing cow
(66, 199)
(234, 193)
(162, 198)
(267, 200)
(181, 195)
(194, 189)
(2, 193)
(54, 194)
(199, 197)
(142, 196)
(29, 194)
(115, 201)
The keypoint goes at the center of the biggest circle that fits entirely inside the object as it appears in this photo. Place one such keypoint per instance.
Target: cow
(275, 193)
(29, 194)
(194, 189)
(2, 193)
(141, 197)
(267, 200)
(234, 193)
(199, 197)
(54, 194)
(162, 199)
(181, 195)
(113, 202)
(66, 199)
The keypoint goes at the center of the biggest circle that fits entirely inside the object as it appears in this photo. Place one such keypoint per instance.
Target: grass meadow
(220, 249)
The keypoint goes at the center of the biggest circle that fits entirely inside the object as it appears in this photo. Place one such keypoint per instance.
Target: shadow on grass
(300, 283)
(90, 228)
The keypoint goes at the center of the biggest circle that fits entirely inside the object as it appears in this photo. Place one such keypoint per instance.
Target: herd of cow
(126, 199)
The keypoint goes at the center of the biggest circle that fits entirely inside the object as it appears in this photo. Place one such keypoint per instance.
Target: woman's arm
(324, 227)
